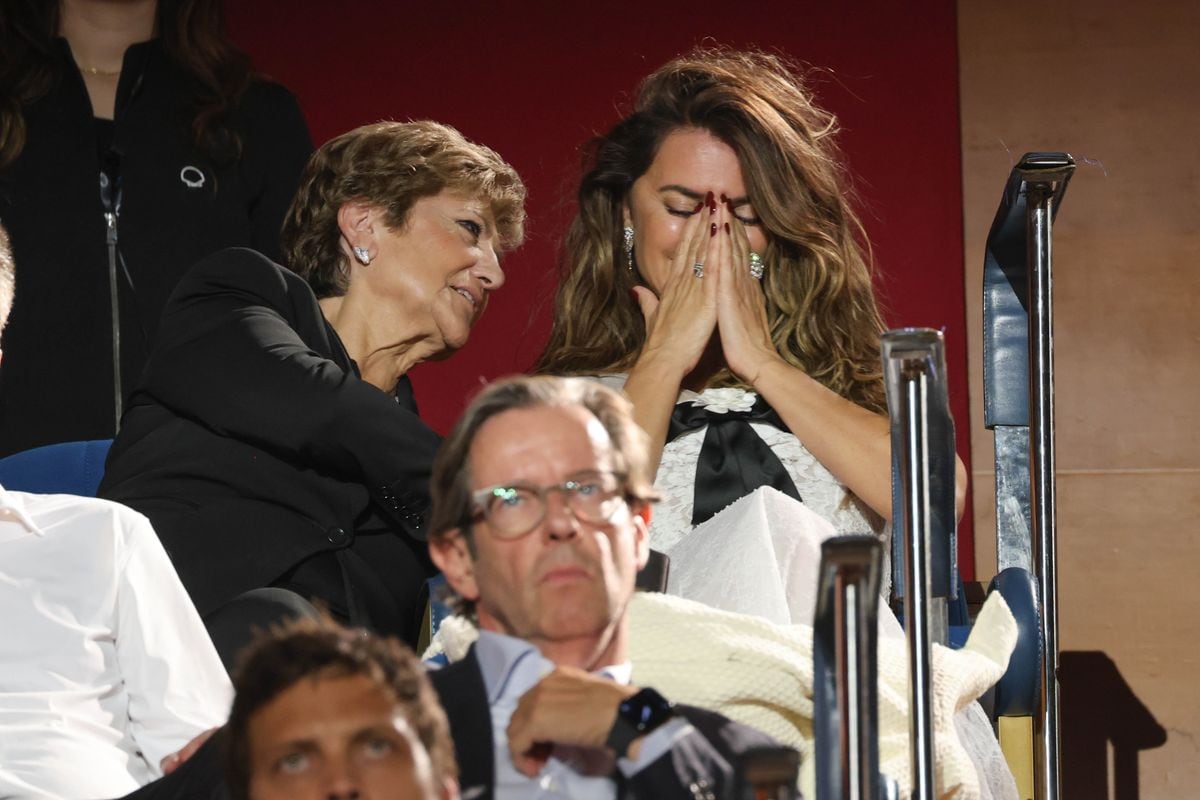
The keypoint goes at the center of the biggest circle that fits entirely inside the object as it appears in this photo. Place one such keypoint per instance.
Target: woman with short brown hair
(273, 441)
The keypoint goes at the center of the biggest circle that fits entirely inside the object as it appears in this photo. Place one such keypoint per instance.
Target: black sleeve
(701, 764)
(243, 350)
(276, 148)
(201, 777)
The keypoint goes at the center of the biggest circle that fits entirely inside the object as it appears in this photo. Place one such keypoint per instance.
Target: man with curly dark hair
(324, 711)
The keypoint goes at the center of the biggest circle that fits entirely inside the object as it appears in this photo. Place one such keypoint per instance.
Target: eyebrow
(692, 194)
(377, 731)
(306, 746)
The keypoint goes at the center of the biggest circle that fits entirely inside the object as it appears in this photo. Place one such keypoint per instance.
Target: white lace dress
(759, 555)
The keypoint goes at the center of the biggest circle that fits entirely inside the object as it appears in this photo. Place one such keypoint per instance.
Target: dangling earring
(363, 255)
(629, 247)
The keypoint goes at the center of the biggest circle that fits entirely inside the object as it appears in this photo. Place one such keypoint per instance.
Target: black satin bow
(734, 460)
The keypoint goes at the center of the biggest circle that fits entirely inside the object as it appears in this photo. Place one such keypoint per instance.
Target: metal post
(1019, 406)
(916, 576)
(845, 659)
(923, 472)
(1041, 360)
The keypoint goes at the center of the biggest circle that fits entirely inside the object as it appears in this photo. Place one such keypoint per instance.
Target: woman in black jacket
(273, 440)
(144, 110)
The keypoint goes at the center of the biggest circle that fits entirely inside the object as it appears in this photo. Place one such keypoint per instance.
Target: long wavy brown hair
(193, 36)
(821, 305)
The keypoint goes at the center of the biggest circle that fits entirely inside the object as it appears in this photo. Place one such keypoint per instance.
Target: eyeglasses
(513, 510)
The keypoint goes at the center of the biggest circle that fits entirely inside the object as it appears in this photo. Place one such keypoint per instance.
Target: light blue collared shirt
(511, 667)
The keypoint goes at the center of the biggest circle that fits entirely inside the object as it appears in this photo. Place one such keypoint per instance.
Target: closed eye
(681, 212)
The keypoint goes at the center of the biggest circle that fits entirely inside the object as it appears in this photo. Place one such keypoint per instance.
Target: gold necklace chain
(108, 73)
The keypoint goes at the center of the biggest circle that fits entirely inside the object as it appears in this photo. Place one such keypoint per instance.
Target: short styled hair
(391, 165)
(8, 278)
(451, 483)
(321, 648)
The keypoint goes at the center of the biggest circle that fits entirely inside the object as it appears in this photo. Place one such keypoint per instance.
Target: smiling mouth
(470, 297)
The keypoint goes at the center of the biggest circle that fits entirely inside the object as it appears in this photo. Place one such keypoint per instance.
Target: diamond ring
(756, 266)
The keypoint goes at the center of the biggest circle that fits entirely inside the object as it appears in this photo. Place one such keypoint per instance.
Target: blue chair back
(66, 468)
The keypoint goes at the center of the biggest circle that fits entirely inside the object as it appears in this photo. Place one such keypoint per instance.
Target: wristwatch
(637, 716)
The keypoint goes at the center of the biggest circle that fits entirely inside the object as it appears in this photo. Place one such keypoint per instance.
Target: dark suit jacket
(699, 766)
(252, 443)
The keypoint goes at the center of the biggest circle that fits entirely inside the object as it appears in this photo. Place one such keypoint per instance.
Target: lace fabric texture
(821, 491)
(776, 538)
(760, 556)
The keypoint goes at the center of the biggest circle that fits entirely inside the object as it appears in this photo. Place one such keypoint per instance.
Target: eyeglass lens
(518, 509)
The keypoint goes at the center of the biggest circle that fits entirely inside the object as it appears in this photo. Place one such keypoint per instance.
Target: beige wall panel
(1127, 546)
(1118, 83)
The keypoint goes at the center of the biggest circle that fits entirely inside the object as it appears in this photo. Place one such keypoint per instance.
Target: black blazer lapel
(463, 695)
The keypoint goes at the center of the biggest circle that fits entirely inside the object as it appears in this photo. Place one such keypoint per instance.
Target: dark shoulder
(267, 104)
(242, 271)
(448, 677)
(263, 95)
(724, 734)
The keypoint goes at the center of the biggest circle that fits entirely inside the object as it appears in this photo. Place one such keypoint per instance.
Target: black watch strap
(636, 716)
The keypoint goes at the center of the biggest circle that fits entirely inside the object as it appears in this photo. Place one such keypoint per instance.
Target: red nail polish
(724, 199)
(699, 206)
(727, 227)
(714, 229)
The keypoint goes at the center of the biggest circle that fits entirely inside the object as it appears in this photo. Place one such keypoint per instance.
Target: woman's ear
(356, 222)
(452, 556)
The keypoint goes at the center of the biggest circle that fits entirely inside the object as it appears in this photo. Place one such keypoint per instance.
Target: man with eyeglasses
(542, 498)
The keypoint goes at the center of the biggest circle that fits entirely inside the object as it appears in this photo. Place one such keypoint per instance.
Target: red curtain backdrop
(534, 80)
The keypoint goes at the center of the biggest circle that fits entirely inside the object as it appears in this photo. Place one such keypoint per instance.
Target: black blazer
(252, 443)
(699, 766)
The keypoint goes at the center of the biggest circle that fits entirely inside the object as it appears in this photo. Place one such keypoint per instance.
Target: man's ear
(641, 525)
(453, 557)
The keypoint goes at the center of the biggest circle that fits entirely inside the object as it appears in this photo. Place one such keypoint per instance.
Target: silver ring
(756, 266)
(698, 269)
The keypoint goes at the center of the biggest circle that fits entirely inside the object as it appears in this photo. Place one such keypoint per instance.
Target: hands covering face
(709, 286)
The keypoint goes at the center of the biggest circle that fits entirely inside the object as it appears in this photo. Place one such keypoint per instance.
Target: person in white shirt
(541, 499)
(105, 666)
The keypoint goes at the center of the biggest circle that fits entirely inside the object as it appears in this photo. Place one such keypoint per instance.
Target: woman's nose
(489, 271)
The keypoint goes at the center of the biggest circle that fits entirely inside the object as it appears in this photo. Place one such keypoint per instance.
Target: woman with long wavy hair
(716, 269)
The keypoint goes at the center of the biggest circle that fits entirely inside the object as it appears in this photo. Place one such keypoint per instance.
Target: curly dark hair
(309, 648)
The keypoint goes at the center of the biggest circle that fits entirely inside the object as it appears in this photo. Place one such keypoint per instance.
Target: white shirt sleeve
(656, 744)
(176, 684)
